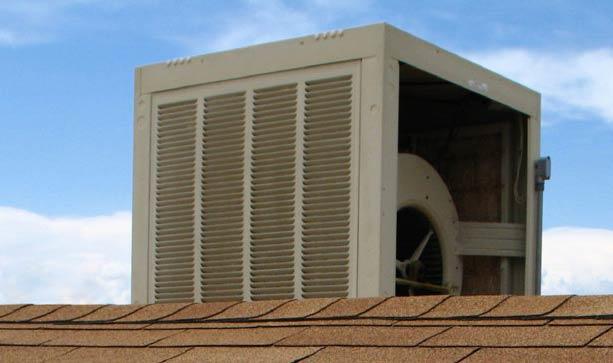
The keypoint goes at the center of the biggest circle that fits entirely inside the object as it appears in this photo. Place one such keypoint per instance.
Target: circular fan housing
(424, 203)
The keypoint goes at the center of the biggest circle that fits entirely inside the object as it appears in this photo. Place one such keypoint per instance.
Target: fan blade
(401, 266)
(420, 249)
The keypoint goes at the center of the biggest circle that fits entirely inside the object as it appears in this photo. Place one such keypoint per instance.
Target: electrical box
(355, 163)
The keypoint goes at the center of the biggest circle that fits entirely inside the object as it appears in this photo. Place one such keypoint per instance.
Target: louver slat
(326, 188)
(273, 193)
(222, 197)
(174, 202)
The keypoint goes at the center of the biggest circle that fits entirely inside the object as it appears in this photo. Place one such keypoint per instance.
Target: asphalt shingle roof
(434, 328)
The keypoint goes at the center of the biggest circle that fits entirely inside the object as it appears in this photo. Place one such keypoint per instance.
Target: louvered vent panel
(222, 197)
(174, 202)
(273, 192)
(326, 187)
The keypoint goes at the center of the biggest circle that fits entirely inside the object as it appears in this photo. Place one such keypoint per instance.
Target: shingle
(247, 310)
(516, 336)
(263, 324)
(360, 336)
(396, 354)
(85, 326)
(330, 322)
(107, 338)
(153, 312)
(27, 337)
(110, 313)
(190, 325)
(251, 354)
(464, 306)
(348, 308)
(605, 340)
(581, 321)
(299, 308)
(553, 355)
(526, 306)
(68, 312)
(227, 337)
(30, 312)
(7, 309)
(585, 306)
(30, 354)
(404, 307)
(472, 322)
(200, 311)
(29, 326)
(104, 355)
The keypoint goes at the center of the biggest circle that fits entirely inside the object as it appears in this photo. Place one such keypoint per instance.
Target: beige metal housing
(272, 171)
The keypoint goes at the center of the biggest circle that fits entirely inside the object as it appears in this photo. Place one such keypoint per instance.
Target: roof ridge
(559, 305)
(93, 311)
(323, 308)
(372, 307)
(16, 309)
(447, 297)
(36, 319)
(171, 313)
(30, 319)
(222, 310)
(495, 306)
(247, 318)
(108, 320)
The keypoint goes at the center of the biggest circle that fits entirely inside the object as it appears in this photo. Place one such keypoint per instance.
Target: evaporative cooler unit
(354, 163)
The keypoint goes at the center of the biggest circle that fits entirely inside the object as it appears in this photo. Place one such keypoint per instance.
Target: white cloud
(259, 21)
(30, 21)
(64, 260)
(12, 38)
(27, 22)
(573, 84)
(577, 261)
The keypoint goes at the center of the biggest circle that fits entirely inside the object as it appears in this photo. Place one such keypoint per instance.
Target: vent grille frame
(255, 284)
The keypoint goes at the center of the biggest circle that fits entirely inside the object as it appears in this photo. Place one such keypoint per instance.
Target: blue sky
(66, 71)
